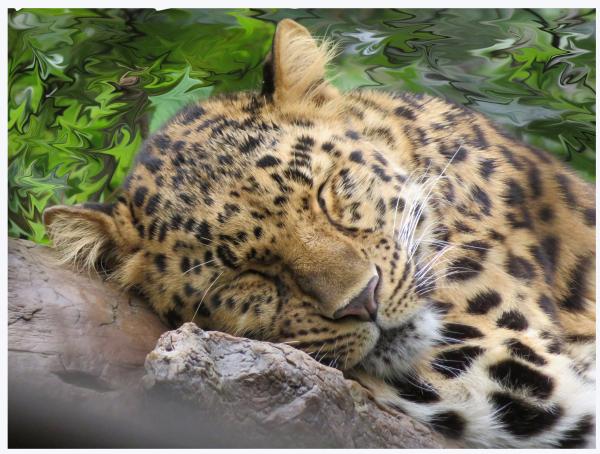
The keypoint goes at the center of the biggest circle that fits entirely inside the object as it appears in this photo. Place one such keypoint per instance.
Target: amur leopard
(401, 238)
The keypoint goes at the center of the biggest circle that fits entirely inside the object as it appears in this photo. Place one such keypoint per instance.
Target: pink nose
(362, 305)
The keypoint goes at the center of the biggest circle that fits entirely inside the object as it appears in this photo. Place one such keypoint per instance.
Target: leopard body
(265, 214)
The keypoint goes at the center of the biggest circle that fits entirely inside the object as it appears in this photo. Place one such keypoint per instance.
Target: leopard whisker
(337, 358)
(453, 370)
(421, 205)
(444, 276)
(196, 266)
(318, 352)
(431, 277)
(466, 246)
(434, 261)
(412, 221)
(416, 244)
(333, 350)
(446, 273)
(407, 182)
(205, 293)
(347, 353)
(420, 385)
(408, 207)
(415, 221)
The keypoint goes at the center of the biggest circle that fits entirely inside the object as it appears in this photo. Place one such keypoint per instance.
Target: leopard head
(285, 215)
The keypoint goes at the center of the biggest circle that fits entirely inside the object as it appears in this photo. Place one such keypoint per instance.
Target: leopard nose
(363, 305)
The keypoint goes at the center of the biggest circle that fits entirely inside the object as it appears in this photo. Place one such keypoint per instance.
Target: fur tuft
(80, 244)
(300, 61)
(306, 62)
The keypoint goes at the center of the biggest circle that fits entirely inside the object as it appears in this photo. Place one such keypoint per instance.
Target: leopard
(401, 238)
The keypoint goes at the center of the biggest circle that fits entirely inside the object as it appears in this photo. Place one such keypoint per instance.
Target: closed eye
(337, 225)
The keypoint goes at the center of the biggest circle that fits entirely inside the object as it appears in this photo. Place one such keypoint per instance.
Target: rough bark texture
(77, 348)
(63, 326)
(277, 387)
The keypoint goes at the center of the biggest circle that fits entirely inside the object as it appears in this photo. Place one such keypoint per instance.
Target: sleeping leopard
(405, 240)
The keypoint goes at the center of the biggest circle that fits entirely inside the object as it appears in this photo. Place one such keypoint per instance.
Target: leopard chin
(398, 349)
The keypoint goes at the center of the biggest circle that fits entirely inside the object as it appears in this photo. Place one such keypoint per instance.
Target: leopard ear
(295, 68)
(85, 236)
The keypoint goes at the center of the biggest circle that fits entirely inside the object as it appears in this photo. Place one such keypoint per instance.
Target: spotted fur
(269, 214)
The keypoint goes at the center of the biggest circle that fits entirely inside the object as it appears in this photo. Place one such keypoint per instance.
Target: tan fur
(300, 64)
(265, 215)
(81, 238)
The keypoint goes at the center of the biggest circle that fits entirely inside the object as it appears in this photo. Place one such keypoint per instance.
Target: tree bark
(85, 370)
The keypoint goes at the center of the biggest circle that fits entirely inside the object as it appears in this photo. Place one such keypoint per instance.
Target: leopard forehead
(216, 159)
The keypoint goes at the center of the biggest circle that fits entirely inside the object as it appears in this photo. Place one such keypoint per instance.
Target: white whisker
(205, 293)
(196, 266)
(414, 210)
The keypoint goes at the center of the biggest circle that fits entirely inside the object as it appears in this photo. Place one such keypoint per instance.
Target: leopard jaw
(397, 349)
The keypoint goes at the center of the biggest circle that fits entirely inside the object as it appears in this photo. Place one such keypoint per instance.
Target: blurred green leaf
(168, 104)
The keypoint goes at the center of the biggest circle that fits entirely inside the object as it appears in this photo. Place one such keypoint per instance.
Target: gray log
(77, 348)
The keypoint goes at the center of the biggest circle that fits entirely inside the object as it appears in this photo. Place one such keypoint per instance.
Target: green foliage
(87, 86)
